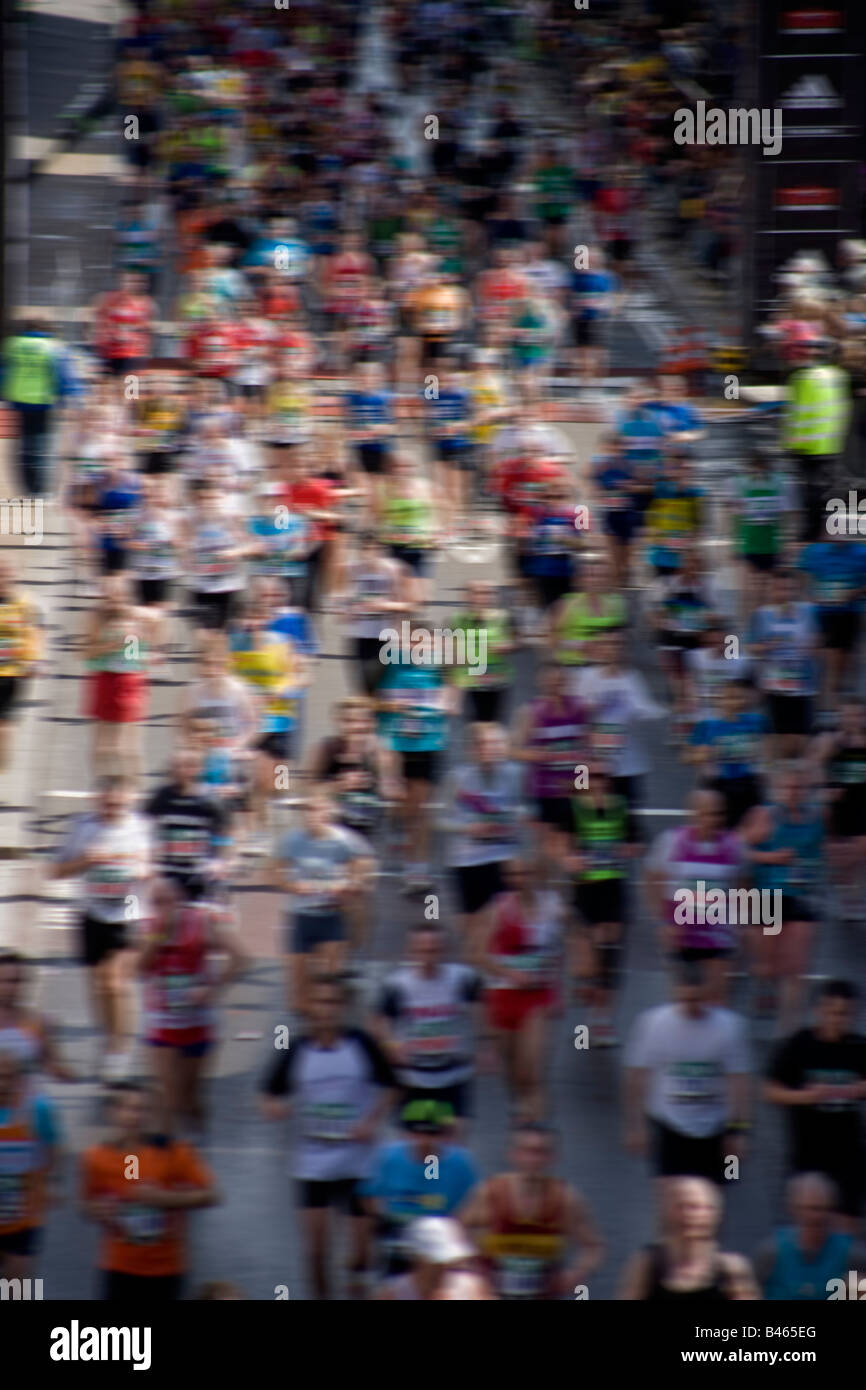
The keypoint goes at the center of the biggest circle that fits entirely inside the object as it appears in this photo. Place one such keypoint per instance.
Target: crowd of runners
(315, 375)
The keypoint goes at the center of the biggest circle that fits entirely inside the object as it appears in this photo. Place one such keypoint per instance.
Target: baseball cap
(438, 1240)
(427, 1116)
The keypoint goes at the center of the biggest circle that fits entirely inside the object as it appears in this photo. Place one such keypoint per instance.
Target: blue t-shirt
(735, 743)
(806, 838)
(297, 625)
(642, 434)
(586, 283)
(833, 568)
(369, 408)
(399, 1179)
(454, 404)
(549, 545)
(675, 417)
(417, 727)
(42, 1115)
(112, 504)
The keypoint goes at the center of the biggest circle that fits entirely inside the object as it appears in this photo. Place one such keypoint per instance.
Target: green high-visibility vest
(31, 372)
(819, 408)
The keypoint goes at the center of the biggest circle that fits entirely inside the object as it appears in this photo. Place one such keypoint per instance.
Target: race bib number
(332, 1122)
(142, 1225)
(521, 1276)
(694, 1082)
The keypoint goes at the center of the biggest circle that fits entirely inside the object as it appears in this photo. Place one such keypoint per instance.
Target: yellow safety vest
(31, 373)
(819, 408)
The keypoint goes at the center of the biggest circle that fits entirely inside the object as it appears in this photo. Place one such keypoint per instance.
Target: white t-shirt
(618, 705)
(689, 1060)
(112, 891)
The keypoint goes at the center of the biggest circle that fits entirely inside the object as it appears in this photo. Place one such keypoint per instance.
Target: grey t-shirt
(320, 861)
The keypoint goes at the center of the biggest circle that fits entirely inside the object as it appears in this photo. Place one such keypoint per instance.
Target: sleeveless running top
(716, 1291)
(525, 1253)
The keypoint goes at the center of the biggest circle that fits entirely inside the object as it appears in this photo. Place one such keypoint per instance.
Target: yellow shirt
(20, 636)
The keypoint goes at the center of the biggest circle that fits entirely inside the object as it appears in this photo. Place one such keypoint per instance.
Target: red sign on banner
(807, 199)
(812, 22)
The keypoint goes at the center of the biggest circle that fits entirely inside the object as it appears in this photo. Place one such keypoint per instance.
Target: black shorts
(552, 587)
(101, 939)
(790, 714)
(477, 884)
(373, 455)
(839, 628)
(158, 461)
(278, 745)
(629, 788)
(600, 900)
(10, 690)
(309, 930)
(140, 1288)
(112, 559)
(587, 332)
(22, 1243)
(689, 954)
(119, 366)
(619, 249)
(555, 811)
(460, 456)
(794, 909)
(458, 1095)
(153, 591)
(680, 1155)
(762, 563)
(433, 349)
(740, 794)
(485, 703)
(415, 557)
(421, 766)
(215, 610)
(339, 1192)
(848, 816)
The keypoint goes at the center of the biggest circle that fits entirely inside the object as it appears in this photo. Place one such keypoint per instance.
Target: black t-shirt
(187, 826)
(829, 1136)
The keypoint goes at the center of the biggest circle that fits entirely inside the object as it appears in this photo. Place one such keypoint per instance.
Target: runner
(686, 1265)
(687, 1083)
(29, 1159)
(143, 1257)
(111, 852)
(536, 1231)
(426, 1021)
(181, 986)
(522, 960)
(342, 1087)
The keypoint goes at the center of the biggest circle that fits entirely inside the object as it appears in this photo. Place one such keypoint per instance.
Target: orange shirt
(153, 1239)
(438, 310)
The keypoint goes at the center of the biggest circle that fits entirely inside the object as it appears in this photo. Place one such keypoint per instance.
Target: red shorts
(508, 1009)
(116, 697)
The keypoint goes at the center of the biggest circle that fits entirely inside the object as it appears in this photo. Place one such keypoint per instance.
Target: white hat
(438, 1240)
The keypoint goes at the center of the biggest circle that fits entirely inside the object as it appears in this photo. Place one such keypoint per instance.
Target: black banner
(810, 66)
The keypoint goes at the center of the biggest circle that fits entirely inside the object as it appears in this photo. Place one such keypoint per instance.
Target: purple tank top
(558, 731)
(714, 864)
